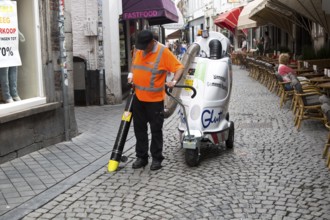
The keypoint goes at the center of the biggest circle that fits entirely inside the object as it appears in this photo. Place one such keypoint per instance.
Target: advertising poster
(9, 54)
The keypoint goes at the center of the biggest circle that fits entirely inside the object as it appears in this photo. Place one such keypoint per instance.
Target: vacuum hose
(188, 57)
(215, 49)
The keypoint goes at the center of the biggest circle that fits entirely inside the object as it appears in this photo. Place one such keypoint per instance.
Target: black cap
(143, 39)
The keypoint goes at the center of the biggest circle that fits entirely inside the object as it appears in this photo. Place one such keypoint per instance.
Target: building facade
(45, 114)
(96, 52)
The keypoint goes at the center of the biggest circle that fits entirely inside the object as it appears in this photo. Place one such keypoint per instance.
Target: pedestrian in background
(244, 45)
(267, 42)
(150, 66)
(260, 46)
(177, 46)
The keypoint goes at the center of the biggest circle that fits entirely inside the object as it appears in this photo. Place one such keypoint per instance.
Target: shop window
(29, 73)
(122, 46)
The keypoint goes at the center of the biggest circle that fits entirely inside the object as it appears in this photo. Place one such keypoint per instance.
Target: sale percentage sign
(6, 51)
(10, 52)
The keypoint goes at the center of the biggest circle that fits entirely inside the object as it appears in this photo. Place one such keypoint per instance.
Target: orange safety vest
(148, 79)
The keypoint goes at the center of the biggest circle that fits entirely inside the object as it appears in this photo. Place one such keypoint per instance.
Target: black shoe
(139, 163)
(156, 165)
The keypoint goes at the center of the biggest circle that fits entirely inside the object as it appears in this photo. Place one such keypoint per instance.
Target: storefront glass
(22, 50)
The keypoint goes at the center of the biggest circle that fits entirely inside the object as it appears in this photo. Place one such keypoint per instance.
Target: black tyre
(192, 157)
(231, 135)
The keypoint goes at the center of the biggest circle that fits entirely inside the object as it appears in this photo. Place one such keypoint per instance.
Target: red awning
(228, 19)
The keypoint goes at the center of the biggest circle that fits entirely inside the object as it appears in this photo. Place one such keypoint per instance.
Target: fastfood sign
(140, 14)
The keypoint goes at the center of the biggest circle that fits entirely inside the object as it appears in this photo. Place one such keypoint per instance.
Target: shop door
(79, 80)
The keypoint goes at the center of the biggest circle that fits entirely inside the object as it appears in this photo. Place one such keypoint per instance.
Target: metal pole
(65, 81)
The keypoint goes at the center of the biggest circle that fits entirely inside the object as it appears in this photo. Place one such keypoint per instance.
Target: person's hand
(130, 78)
(171, 84)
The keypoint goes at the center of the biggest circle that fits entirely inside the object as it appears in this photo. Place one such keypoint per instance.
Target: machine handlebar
(169, 90)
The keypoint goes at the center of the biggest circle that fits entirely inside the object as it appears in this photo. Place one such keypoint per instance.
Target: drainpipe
(101, 59)
(64, 72)
(101, 77)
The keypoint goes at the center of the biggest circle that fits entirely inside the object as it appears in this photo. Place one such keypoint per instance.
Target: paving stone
(34, 215)
(29, 218)
(273, 172)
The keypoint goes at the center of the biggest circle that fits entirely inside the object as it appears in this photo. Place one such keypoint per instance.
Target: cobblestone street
(273, 171)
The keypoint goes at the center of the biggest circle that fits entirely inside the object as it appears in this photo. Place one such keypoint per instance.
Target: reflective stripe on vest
(154, 71)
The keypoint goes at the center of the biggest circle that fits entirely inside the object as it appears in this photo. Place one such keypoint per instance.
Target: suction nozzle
(113, 165)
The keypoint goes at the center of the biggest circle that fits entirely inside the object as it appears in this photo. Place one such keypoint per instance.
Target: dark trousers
(152, 113)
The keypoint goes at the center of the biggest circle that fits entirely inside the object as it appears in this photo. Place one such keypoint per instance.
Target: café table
(325, 86)
(303, 70)
(302, 78)
(311, 74)
(319, 79)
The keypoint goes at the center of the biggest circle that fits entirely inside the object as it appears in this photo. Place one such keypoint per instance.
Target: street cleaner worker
(151, 63)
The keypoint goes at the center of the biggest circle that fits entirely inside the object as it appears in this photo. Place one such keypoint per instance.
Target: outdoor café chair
(284, 93)
(326, 110)
(308, 104)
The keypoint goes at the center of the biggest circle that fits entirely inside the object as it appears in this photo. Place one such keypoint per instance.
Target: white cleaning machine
(205, 95)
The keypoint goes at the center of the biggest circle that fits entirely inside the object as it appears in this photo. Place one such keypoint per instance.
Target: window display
(20, 56)
(10, 57)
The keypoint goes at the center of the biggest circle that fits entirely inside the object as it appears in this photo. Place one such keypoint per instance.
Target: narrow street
(273, 172)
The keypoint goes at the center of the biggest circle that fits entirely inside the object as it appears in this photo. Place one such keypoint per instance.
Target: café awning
(315, 10)
(175, 35)
(243, 20)
(178, 25)
(268, 12)
(156, 11)
(228, 19)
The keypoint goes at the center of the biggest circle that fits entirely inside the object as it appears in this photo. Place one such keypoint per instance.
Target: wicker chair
(307, 87)
(308, 104)
(242, 60)
(283, 91)
(326, 110)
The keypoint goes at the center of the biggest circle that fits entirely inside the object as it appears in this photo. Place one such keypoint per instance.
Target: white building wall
(84, 24)
(111, 47)
(195, 9)
(225, 6)
(194, 14)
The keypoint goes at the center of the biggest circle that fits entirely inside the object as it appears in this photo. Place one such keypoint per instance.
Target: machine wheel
(231, 135)
(192, 157)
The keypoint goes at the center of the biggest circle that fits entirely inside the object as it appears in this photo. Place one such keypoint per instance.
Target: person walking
(151, 63)
(267, 42)
(244, 45)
